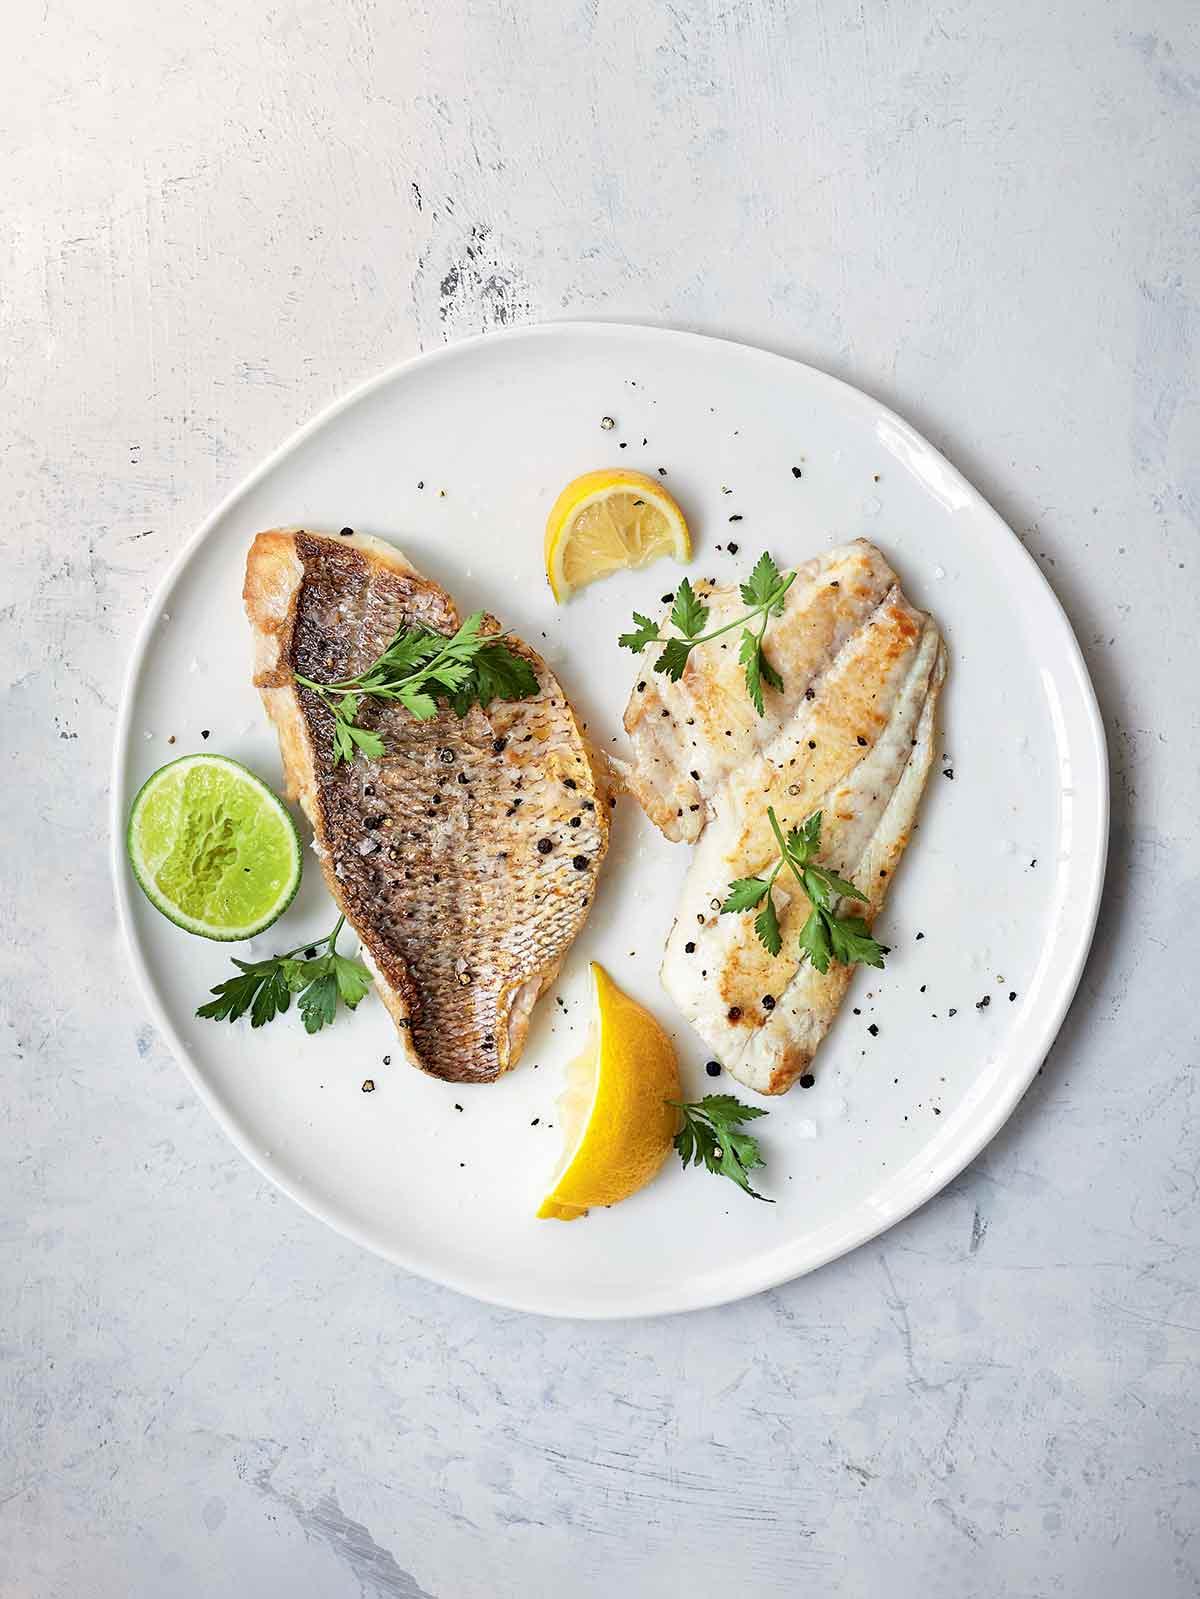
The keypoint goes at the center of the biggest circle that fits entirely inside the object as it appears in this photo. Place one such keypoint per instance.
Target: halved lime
(213, 848)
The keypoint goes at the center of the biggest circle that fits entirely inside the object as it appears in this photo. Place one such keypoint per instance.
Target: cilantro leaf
(688, 613)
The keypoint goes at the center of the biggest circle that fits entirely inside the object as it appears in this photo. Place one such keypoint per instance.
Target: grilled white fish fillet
(466, 857)
(850, 735)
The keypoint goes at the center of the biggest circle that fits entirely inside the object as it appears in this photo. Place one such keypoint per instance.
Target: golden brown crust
(431, 852)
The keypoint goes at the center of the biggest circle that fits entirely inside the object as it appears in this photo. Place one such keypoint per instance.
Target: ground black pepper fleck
(713, 1068)
(368, 1086)
(857, 1012)
(949, 772)
(387, 1060)
(667, 598)
(689, 948)
(983, 1003)
(499, 745)
(952, 1011)
(734, 1013)
(544, 846)
(862, 742)
(807, 1080)
(920, 936)
(873, 1030)
(768, 1002)
(737, 518)
(641, 688)
(733, 549)
(812, 743)
(205, 731)
(1012, 996)
(457, 1106)
(580, 863)
(796, 472)
(347, 532)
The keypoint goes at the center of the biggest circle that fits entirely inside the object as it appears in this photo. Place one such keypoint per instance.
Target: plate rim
(771, 1271)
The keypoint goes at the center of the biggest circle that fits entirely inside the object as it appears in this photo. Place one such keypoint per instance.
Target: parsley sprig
(418, 668)
(265, 988)
(709, 1137)
(825, 936)
(763, 593)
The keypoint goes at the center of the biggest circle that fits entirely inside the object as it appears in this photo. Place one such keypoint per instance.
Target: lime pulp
(213, 848)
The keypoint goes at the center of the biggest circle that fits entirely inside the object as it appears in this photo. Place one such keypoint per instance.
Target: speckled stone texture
(216, 218)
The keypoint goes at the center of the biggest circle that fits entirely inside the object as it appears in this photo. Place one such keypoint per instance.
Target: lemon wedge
(610, 521)
(616, 1109)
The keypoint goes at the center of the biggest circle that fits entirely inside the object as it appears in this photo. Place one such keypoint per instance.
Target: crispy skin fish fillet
(431, 852)
(851, 735)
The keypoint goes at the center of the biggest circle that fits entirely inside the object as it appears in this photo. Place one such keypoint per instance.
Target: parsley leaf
(744, 894)
(750, 655)
(765, 584)
(688, 614)
(766, 925)
(265, 987)
(646, 632)
(825, 936)
(674, 658)
(763, 593)
(709, 1137)
(419, 668)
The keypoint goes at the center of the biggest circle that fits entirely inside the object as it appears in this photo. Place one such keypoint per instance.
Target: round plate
(456, 457)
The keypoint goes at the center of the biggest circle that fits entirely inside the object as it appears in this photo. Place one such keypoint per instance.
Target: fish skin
(852, 735)
(463, 922)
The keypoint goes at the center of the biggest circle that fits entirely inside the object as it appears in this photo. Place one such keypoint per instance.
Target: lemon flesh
(610, 521)
(617, 1109)
(213, 848)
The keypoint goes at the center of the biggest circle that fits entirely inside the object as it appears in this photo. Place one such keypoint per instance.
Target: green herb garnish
(709, 1137)
(824, 936)
(763, 593)
(419, 668)
(265, 988)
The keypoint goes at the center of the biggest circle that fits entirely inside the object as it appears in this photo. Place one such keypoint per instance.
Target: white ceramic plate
(445, 1179)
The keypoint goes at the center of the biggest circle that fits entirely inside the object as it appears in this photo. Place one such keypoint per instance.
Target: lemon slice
(619, 1121)
(609, 521)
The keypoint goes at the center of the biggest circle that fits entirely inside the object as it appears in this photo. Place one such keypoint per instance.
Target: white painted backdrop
(216, 216)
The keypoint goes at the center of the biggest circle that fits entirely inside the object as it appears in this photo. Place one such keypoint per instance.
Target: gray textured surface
(217, 218)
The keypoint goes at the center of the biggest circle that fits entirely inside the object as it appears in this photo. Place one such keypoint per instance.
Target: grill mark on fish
(462, 920)
(852, 734)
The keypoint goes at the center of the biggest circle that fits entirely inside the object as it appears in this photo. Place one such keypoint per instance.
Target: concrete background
(216, 217)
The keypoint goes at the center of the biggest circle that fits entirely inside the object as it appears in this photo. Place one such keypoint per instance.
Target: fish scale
(464, 921)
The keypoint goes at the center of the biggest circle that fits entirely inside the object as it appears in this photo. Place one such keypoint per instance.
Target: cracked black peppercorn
(580, 863)
(544, 846)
